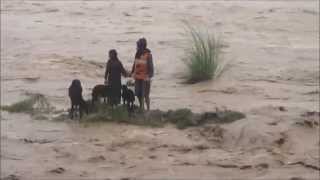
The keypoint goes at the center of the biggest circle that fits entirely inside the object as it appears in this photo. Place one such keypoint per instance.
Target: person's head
(76, 83)
(113, 54)
(142, 43)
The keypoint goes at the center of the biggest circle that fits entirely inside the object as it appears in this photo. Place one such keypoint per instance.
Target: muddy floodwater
(272, 50)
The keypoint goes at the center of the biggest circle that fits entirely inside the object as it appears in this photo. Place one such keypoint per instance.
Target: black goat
(128, 97)
(77, 102)
(101, 90)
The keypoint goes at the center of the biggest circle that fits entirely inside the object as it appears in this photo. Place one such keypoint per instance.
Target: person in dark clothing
(143, 88)
(114, 70)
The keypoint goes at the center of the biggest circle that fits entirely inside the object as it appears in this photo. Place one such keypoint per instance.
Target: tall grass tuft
(203, 57)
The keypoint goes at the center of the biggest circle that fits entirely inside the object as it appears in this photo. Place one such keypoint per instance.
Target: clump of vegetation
(229, 116)
(151, 119)
(38, 106)
(203, 58)
(98, 112)
(119, 114)
(104, 113)
(35, 104)
(182, 118)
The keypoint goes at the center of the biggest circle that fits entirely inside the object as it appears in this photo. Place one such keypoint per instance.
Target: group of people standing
(142, 72)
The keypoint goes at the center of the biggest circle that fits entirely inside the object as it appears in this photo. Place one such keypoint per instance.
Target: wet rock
(58, 170)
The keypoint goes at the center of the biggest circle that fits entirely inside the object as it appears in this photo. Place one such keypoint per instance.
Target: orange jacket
(140, 69)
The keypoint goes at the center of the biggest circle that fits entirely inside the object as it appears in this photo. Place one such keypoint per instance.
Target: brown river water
(272, 51)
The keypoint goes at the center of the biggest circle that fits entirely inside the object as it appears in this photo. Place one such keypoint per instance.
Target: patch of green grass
(182, 118)
(36, 103)
(119, 114)
(145, 121)
(230, 116)
(103, 112)
(22, 106)
(97, 117)
(203, 57)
